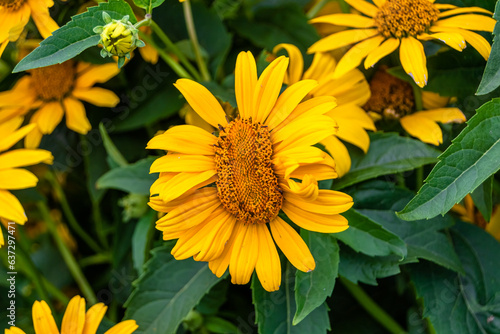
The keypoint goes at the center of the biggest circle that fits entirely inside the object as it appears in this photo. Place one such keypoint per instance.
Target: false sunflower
(56, 91)
(75, 321)
(223, 193)
(351, 92)
(393, 99)
(11, 176)
(390, 24)
(15, 14)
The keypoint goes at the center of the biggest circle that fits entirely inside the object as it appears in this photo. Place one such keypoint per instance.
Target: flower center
(247, 185)
(391, 97)
(53, 82)
(12, 4)
(402, 18)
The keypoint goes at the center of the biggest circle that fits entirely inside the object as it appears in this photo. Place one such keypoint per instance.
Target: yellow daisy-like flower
(390, 24)
(351, 91)
(11, 176)
(56, 91)
(75, 320)
(392, 99)
(469, 213)
(222, 194)
(15, 14)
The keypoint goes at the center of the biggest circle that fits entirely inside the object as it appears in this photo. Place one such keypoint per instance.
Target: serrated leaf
(463, 304)
(133, 178)
(312, 288)
(388, 154)
(148, 4)
(368, 237)
(74, 37)
(274, 310)
(469, 161)
(491, 76)
(167, 291)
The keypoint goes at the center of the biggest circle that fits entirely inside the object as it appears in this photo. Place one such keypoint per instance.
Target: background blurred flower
(390, 24)
(469, 213)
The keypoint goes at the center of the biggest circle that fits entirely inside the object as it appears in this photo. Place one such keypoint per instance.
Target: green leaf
(74, 37)
(110, 147)
(274, 310)
(491, 76)
(167, 291)
(148, 4)
(368, 237)
(389, 153)
(468, 162)
(463, 304)
(482, 198)
(219, 325)
(312, 288)
(133, 178)
(140, 239)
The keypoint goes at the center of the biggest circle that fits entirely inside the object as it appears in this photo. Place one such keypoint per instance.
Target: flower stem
(188, 15)
(67, 256)
(419, 177)
(417, 95)
(51, 177)
(371, 307)
(173, 48)
(313, 11)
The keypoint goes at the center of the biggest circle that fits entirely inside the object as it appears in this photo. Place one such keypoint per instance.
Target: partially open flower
(118, 37)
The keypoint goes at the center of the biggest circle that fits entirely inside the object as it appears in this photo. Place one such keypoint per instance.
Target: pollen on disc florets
(391, 97)
(403, 18)
(12, 5)
(247, 185)
(53, 82)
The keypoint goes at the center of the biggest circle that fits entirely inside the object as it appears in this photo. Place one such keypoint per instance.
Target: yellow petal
(423, 128)
(477, 41)
(93, 318)
(124, 327)
(315, 221)
(76, 117)
(33, 138)
(296, 67)
(468, 21)
(219, 265)
(322, 66)
(184, 182)
(268, 88)
(21, 95)
(215, 235)
(24, 157)
(189, 243)
(41, 16)
(10, 208)
(353, 133)
(244, 254)
(354, 114)
(411, 53)
(364, 7)
(268, 266)
(288, 101)
(245, 80)
(433, 100)
(328, 202)
(92, 74)
(493, 226)
(320, 171)
(292, 245)
(355, 55)
(14, 330)
(42, 318)
(339, 153)
(97, 96)
(48, 117)
(11, 135)
(443, 115)
(74, 317)
(17, 179)
(341, 39)
(381, 51)
(202, 101)
(456, 11)
(379, 3)
(346, 20)
(182, 163)
(454, 40)
(350, 88)
(187, 139)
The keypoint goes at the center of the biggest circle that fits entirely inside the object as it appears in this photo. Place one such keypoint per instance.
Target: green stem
(70, 217)
(145, 22)
(67, 256)
(188, 15)
(371, 307)
(166, 57)
(173, 48)
(419, 177)
(316, 8)
(417, 94)
(95, 259)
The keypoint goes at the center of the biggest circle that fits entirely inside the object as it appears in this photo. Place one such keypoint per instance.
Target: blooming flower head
(15, 14)
(56, 91)
(11, 176)
(75, 321)
(392, 99)
(390, 24)
(351, 92)
(223, 193)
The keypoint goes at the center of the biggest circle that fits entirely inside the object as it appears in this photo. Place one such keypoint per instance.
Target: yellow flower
(390, 24)
(75, 320)
(55, 91)
(469, 213)
(15, 14)
(11, 176)
(261, 162)
(351, 91)
(392, 99)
